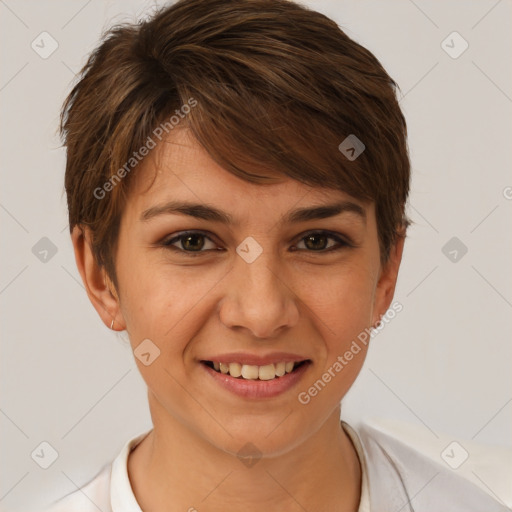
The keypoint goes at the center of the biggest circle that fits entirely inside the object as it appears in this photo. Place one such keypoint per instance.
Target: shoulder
(411, 468)
(92, 497)
(109, 490)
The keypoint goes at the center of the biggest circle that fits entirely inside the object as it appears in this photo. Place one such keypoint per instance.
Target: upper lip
(254, 359)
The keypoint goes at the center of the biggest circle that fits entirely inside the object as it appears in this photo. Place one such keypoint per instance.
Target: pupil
(193, 238)
(316, 246)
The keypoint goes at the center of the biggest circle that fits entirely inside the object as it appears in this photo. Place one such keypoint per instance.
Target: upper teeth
(253, 372)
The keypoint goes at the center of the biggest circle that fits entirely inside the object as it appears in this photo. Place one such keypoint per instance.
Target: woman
(237, 175)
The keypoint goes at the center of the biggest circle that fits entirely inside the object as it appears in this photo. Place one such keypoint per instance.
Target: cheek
(341, 299)
(341, 304)
(163, 302)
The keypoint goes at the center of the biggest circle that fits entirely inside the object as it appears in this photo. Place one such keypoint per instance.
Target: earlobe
(99, 287)
(385, 289)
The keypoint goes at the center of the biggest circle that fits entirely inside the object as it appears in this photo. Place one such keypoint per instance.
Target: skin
(310, 302)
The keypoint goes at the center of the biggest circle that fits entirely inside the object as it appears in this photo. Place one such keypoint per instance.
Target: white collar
(123, 498)
(121, 492)
(364, 503)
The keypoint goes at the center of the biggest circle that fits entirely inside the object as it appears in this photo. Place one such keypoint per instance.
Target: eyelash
(342, 242)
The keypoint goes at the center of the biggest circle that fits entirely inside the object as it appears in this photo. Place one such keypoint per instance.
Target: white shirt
(404, 469)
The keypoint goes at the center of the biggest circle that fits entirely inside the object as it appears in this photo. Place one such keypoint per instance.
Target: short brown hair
(277, 87)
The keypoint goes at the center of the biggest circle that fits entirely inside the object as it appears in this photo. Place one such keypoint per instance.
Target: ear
(386, 284)
(98, 286)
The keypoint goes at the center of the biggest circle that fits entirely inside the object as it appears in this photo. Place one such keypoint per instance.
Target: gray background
(443, 363)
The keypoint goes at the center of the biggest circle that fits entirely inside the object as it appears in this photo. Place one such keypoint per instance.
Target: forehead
(179, 169)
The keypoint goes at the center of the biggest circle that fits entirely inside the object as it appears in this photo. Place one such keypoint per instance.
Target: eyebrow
(205, 212)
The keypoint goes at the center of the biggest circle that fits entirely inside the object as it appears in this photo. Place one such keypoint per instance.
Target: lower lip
(258, 388)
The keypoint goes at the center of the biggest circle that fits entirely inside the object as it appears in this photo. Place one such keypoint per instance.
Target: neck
(174, 469)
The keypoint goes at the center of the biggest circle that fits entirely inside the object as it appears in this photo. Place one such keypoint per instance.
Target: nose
(259, 299)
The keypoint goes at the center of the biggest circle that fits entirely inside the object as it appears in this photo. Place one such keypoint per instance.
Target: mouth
(266, 372)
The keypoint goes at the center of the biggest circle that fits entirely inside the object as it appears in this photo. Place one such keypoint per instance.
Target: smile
(249, 383)
(254, 372)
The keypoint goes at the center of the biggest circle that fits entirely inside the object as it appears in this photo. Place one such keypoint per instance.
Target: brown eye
(190, 242)
(320, 242)
(193, 242)
(316, 242)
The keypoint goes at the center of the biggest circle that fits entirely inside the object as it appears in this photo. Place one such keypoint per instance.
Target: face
(268, 274)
